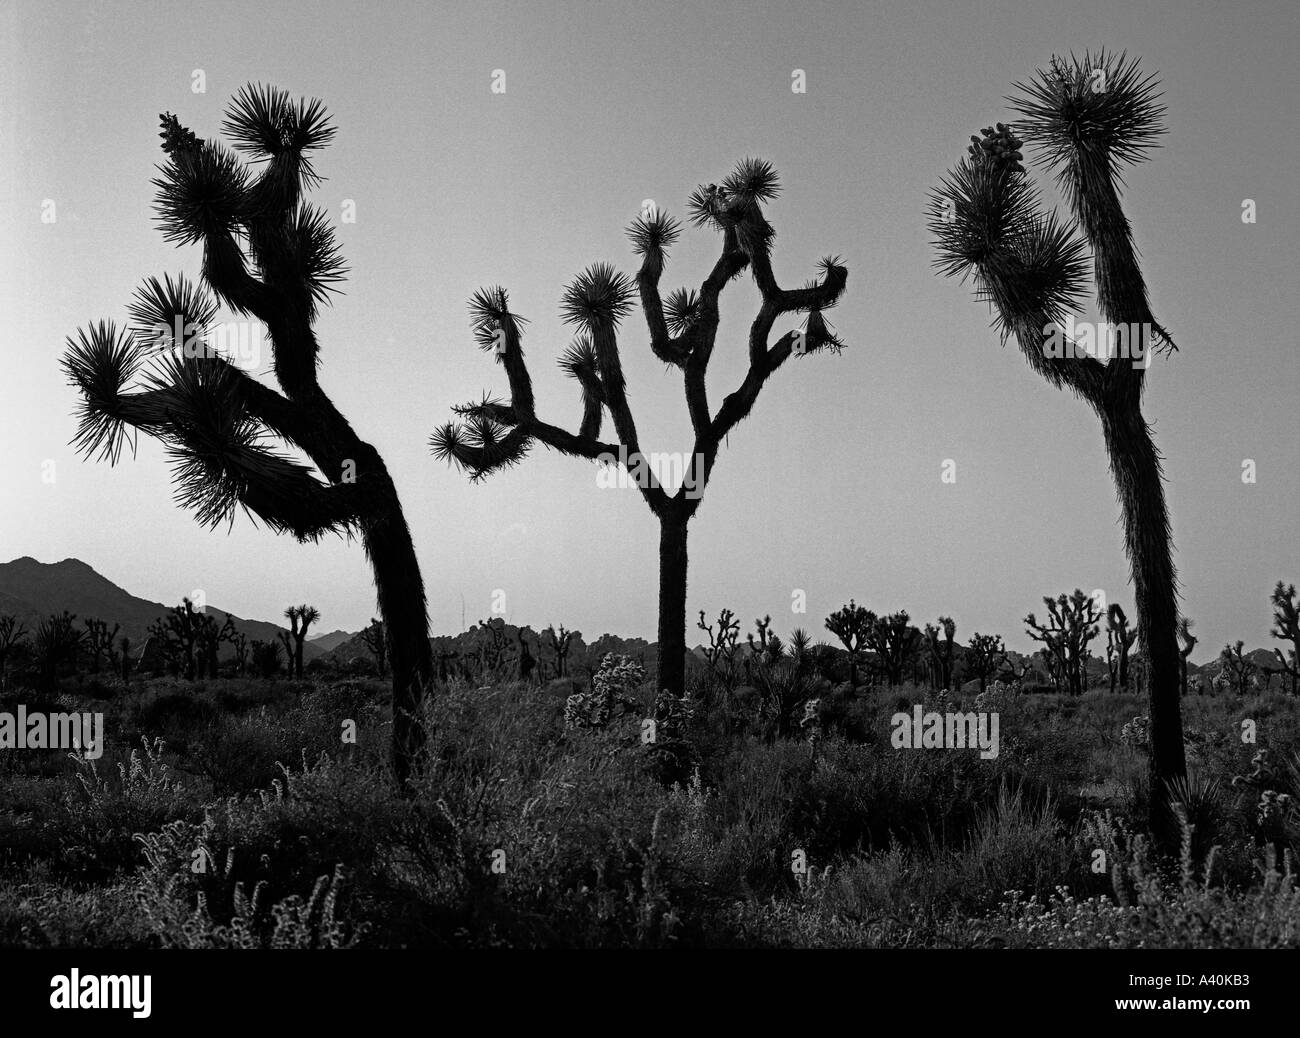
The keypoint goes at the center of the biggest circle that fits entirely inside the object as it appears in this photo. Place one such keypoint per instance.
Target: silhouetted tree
(1187, 642)
(1119, 642)
(375, 640)
(1072, 622)
(852, 625)
(12, 635)
(895, 642)
(682, 333)
(1088, 117)
(99, 642)
(300, 618)
(941, 651)
(268, 255)
(1286, 626)
(1238, 667)
(984, 656)
(559, 642)
(57, 646)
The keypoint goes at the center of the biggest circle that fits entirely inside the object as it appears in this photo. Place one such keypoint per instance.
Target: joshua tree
(300, 618)
(1187, 642)
(941, 652)
(179, 632)
(99, 641)
(721, 649)
(559, 643)
(1088, 118)
(269, 256)
(1237, 667)
(852, 625)
(1286, 626)
(682, 331)
(57, 644)
(286, 639)
(239, 642)
(895, 642)
(12, 633)
(1072, 622)
(1119, 642)
(375, 640)
(527, 661)
(985, 655)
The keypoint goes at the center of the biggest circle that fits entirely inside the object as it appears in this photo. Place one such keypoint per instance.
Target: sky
(834, 486)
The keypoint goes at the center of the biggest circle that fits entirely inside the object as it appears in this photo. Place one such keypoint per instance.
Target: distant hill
(33, 590)
(330, 642)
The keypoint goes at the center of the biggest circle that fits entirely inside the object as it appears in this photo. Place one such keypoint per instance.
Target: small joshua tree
(376, 642)
(852, 625)
(559, 643)
(178, 634)
(1238, 667)
(682, 330)
(985, 655)
(270, 256)
(1072, 622)
(57, 644)
(100, 642)
(941, 652)
(1119, 643)
(895, 642)
(1088, 118)
(12, 634)
(1286, 626)
(1186, 643)
(300, 618)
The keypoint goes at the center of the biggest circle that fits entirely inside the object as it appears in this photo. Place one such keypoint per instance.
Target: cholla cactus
(610, 693)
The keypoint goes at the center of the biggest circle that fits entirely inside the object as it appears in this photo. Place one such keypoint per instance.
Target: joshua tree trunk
(1135, 466)
(672, 602)
(403, 609)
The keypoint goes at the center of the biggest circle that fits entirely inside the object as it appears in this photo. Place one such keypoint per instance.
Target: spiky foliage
(491, 434)
(1085, 119)
(271, 257)
(1071, 623)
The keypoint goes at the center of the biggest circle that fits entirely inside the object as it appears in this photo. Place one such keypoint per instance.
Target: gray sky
(833, 485)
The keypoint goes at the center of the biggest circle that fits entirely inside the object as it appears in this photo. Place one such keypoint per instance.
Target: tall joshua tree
(1088, 118)
(682, 329)
(270, 256)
